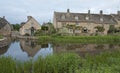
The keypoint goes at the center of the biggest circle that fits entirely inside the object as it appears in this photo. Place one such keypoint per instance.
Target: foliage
(62, 63)
(100, 28)
(45, 28)
(112, 29)
(1, 36)
(80, 39)
(105, 62)
(16, 27)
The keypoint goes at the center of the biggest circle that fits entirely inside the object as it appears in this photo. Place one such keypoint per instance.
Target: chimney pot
(101, 12)
(68, 10)
(29, 17)
(88, 11)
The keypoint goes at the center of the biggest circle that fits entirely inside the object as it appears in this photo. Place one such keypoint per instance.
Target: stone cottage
(29, 27)
(84, 23)
(5, 27)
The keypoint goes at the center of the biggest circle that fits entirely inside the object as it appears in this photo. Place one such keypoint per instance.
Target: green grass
(80, 39)
(1, 36)
(106, 62)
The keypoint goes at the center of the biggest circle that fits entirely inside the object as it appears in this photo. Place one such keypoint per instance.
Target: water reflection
(23, 50)
(83, 49)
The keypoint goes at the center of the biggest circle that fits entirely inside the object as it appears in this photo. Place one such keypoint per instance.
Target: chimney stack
(68, 10)
(101, 12)
(88, 12)
(3, 17)
(118, 13)
(29, 17)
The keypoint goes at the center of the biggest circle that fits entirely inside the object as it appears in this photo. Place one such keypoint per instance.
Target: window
(87, 18)
(70, 30)
(76, 18)
(26, 30)
(85, 30)
(64, 24)
(101, 19)
(63, 17)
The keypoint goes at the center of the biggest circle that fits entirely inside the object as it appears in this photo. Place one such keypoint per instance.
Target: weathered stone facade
(84, 22)
(5, 27)
(30, 27)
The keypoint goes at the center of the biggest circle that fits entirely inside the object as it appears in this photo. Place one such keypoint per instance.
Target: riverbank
(1, 37)
(107, 62)
(80, 39)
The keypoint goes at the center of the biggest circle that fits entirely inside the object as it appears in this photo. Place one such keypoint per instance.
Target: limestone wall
(6, 30)
(27, 27)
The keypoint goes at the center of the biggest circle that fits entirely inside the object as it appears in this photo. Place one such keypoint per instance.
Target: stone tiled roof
(116, 16)
(3, 22)
(81, 17)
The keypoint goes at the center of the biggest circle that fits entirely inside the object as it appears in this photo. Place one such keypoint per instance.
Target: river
(23, 50)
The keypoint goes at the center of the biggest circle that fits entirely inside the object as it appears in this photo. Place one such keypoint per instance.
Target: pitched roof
(116, 16)
(29, 18)
(94, 18)
(3, 22)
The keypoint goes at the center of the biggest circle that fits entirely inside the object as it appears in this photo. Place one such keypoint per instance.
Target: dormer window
(87, 18)
(101, 19)
(63, 17)
(76, 18)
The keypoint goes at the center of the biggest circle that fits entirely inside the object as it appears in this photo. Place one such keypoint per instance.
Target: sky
(16, 11)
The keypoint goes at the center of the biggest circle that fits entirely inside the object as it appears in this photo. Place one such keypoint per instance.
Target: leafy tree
(112, 29)
(45, 28)
(100, 28)
(16, 27)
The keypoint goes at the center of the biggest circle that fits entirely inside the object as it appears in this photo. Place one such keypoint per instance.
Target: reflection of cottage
(83, 22)
(5, 28)
(30, 27)
(31, 47)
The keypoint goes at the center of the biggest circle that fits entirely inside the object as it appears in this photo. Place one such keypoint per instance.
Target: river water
(23, 50)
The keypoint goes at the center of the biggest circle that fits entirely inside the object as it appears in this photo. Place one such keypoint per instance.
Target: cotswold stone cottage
(29, 27)
(80, 23)
(5, 28)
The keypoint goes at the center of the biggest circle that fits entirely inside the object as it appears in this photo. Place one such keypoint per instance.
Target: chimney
(3, 17)
(29, 17)
(88, 12)
(68, 10)
(118, 13)
(101, 12)
(101, 15)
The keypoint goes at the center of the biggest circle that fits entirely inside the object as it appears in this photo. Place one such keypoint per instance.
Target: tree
(112, 29)
(16, 27)
(100, 28)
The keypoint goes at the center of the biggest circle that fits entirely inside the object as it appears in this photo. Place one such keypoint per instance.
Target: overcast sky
(16, 11)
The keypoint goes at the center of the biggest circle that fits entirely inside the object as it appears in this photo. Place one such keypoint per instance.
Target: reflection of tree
(44, 45)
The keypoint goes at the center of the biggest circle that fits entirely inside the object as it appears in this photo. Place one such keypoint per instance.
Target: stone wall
(6, 30)
(26, 28)
(90, 27)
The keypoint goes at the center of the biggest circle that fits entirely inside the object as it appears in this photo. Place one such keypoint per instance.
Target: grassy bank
(1, 36)
(108, 62)
(80, 39)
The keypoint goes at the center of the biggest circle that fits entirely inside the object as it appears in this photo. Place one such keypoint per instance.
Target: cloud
(16, 11)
